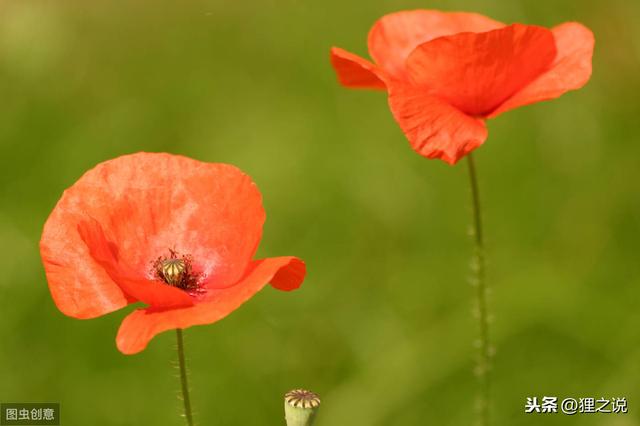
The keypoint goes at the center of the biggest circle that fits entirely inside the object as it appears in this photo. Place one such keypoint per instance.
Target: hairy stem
(183, 379)
(483, 365)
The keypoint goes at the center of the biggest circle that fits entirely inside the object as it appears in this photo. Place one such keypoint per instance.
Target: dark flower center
(173, 270)
(177, 271)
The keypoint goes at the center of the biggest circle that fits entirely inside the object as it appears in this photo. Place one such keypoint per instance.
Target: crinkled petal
(476, 72)
(354, 71)
(152, 292)
(570, 70)
(149, 204)
(394, 36)
(435, 129)
(142, 325)
(79, 285)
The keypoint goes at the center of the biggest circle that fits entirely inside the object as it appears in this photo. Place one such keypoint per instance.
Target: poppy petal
(394, 36)
(290, 277)
(79, 285)
(153, 293)
(354, 71)
(142, 325)
(570, 70)
(476, 72)
(435, 129)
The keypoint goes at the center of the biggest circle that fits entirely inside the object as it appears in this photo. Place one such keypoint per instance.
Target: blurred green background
(382, 328)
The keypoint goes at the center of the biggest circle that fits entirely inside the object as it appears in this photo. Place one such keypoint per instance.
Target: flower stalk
(300, 407)
(183, 379)
(483, 364)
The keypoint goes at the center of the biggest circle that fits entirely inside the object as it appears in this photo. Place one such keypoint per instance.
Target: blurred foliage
(382, 327)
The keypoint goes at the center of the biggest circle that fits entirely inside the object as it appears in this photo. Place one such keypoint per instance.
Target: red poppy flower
(446, 73)
(173, 233)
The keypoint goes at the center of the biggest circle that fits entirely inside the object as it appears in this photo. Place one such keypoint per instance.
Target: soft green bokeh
(382, 328)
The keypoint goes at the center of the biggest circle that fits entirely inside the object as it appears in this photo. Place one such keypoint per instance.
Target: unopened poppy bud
(300, 407)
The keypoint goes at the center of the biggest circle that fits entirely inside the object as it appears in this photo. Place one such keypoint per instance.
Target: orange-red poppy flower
(446, 73)
(173, 233)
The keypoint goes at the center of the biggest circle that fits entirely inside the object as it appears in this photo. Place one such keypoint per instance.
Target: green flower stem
(300, 407)
(483, 365)
(183, 379)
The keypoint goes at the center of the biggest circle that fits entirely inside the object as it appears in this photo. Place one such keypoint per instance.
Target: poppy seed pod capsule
(300, 407)
(173, 270)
